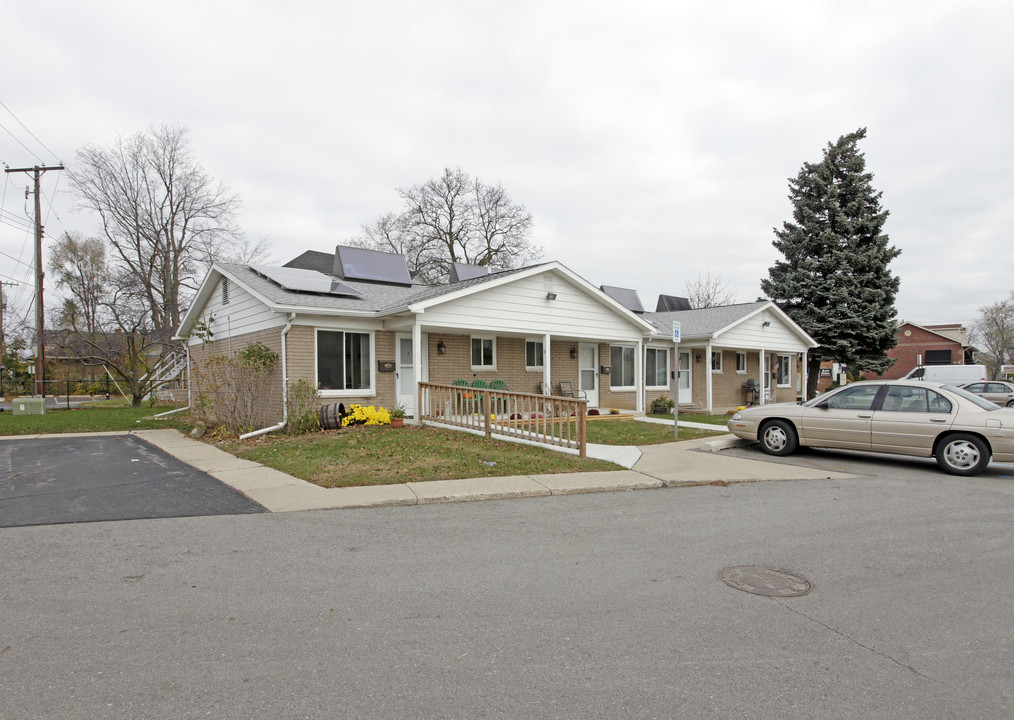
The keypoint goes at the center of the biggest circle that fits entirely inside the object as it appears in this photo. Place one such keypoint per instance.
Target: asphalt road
(586, 606)
(66, 479)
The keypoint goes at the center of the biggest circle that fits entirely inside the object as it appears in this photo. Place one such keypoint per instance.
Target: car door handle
(940, 420)
(865, 416)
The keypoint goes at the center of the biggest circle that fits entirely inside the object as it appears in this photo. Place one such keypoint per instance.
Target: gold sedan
(961, 430)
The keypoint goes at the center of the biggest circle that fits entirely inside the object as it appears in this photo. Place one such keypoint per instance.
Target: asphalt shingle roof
(703, 323)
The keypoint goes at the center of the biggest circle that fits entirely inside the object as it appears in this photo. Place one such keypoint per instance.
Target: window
(533, 355)
(656, 367)
(622, 373)
(906, 399)
(782, 366)
(343, 360)
(716, 361)
(483, 353)
(740, 362)
(938, 357)
(858, 397)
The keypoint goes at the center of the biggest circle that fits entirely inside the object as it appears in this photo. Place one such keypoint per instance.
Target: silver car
(961, 430)
(996, 391)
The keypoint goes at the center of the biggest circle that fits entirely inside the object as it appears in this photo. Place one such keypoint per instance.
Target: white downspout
(285, 388)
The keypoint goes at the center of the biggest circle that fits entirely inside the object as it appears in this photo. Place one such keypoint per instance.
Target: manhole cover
(765, 581)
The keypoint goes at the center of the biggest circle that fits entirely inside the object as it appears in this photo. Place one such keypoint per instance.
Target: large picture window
(656, 367)
(622, 360)
(343, 360)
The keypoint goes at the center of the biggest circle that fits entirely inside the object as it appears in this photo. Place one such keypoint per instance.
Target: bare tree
(454, 218)
(994, 333)
(705, 291)
(79, 266)
(161, 213)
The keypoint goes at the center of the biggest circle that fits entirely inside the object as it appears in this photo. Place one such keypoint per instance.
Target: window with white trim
(741, 362)
(534, 359)
(344, 361)
(483, 353)
(782, 366)
(621, 358)
(656, 367)
(716, 361)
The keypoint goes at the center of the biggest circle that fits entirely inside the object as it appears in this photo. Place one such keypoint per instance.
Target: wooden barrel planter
(331, 416)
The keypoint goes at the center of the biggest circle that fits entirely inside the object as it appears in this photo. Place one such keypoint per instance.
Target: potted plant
(662, 406)
(397, 416)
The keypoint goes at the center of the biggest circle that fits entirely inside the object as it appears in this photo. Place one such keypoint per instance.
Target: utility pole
(40, 315)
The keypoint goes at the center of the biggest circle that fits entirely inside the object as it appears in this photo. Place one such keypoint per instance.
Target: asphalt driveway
(73, 479)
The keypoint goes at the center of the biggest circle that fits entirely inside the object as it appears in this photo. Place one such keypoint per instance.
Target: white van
(952, 374)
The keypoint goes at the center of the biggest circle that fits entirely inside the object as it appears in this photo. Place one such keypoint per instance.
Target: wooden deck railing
(545, 419)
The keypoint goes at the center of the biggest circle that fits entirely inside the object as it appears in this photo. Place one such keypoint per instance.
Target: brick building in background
(945, 344)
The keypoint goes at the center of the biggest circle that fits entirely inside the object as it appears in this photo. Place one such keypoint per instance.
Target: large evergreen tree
(835, 281)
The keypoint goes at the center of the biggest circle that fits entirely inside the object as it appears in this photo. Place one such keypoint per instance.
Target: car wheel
(778, 437)
(962, 454)
(1010, 404)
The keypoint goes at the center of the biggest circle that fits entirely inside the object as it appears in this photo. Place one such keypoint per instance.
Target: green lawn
(102, 415)
(362, 455)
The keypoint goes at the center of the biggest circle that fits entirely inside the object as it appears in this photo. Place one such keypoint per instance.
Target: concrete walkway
(694, 462)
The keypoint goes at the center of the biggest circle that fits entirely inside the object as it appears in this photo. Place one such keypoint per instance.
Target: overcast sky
(652, 141)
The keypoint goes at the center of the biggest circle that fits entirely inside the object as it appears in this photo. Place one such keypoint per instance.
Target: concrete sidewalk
(694, 462)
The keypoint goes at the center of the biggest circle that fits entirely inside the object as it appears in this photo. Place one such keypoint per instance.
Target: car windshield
(972, 397)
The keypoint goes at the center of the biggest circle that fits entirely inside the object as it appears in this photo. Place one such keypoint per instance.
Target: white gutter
(285, 389)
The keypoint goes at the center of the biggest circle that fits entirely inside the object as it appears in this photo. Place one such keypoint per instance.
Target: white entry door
(588, 372)
(405, 371)
(685, 395)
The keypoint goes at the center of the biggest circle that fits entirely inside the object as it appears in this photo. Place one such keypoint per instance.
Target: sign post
(676, 383)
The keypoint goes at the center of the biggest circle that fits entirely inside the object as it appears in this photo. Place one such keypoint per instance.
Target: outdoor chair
(479, 385)
(567, 390)
(499, 386)
(462, 396)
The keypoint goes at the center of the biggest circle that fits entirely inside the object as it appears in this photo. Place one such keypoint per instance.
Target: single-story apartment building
(355, 326)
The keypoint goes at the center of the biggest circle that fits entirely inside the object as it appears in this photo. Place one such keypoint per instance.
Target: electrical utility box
(29, 406)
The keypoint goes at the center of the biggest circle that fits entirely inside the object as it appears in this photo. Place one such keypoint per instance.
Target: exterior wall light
(441, 348)
(551, 296)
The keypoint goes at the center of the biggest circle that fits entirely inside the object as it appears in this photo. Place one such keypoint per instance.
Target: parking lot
(90, 478)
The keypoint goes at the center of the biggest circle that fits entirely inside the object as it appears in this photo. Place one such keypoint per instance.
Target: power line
(51, 153)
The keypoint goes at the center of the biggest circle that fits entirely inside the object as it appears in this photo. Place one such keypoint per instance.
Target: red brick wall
(913, 342)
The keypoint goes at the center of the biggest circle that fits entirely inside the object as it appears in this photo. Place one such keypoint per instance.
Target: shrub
(302, 408)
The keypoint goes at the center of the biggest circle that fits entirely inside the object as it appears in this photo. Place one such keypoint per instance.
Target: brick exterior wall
(913, 341)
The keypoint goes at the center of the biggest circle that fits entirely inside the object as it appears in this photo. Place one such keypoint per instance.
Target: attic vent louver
(371, 266)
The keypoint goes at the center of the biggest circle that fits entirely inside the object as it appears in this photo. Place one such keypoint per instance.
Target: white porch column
(803, 377)
(763, 390)
(707, 384)
(417, 358)
(639, 378)
(547, 370)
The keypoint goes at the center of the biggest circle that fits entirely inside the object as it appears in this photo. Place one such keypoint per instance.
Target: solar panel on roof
(672, 303)
(371, 266)
(302, 280)
(464, 271)
(624, 296)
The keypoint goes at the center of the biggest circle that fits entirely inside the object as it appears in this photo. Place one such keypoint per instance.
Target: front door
(588, 372)
(685, 392)
(405, 392)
